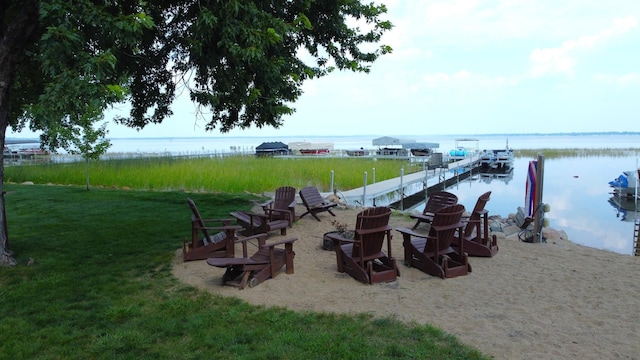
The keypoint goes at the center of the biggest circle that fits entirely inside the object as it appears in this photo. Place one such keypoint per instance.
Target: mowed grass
(234, 174)
(99, 286)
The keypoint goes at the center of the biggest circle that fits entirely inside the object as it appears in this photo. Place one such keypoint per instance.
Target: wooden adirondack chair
(362, 257)
(476, 231)
(282, 206)
(253, 223)
(220, 244)
(435, 202)
(314, 202)
(264, 264)
(432, 252)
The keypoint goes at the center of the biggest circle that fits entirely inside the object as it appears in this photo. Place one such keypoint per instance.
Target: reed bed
(232, 174)
(576, 152)
(238, 173)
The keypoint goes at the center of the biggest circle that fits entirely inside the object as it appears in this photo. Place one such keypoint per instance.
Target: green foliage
(100, 287)
(239, 59)
(221, 174)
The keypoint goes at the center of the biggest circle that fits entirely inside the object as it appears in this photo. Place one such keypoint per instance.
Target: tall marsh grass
(575, 152)
(233, 174)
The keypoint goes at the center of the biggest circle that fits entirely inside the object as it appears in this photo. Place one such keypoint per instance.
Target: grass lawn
(99, 287)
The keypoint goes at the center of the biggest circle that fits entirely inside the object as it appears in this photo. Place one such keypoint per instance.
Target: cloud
(629, 79)
(562, 59)
(467, 79)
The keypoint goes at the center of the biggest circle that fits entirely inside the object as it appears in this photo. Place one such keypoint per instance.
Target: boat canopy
(305, 145)
(271, 146)
(388, 140)
(420, 145)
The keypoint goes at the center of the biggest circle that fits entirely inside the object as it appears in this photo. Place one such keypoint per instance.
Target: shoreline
(530, 301)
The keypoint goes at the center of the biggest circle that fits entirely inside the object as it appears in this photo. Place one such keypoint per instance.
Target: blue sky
(472, 67)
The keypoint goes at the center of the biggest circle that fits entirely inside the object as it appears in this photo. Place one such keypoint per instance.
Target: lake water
(575, 188)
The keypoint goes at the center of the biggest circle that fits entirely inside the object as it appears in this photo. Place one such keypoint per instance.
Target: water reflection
(577, 191)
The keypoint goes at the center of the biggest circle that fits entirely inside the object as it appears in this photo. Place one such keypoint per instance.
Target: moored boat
(360, 152)
(421, 152)
(626, 185)
(388, 151)
(315, 151)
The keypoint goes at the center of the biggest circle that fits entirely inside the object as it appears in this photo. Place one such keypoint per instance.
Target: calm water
(575, 188)
(578, 193)
(218, 144)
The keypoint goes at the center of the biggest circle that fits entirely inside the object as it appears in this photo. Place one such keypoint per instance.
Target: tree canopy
(242, 61)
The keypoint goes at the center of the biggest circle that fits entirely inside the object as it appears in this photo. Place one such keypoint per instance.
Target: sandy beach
(555, 300)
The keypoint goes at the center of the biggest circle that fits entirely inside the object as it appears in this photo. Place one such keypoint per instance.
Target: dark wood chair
(435, 202)
(314, 202)
(476, 231)
(362, 257)
(253, 223)
(432, 252)
(220, 244)
(264, 264)
(282, 206)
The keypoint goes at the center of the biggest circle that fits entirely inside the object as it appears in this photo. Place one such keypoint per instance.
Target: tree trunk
(86, 171)
(13, 42)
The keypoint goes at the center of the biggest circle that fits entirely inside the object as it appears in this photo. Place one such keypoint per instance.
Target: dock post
(538, 212)
(331, 182)
(364, 191)
(402, 189)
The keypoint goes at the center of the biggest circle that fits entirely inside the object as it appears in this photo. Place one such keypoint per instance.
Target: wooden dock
(403, 191)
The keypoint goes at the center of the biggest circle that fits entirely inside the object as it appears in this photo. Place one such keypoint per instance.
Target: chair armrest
(252, 214)
(262, 239)
(222, 228)
(266, 203)
(412, 233)
(339, 238)
(286, 212)
(280, 242)
(371, 231)
(459, 224)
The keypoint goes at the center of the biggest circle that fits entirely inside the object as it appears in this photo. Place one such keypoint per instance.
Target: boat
(497, 158)
(323, 151)
(388, 151)
(504, 158)
(421, 149)
(390, 146)
(360, 152)
(308, 148)
(462, 152)
(421, 152)
(487, 158)
(626, 185)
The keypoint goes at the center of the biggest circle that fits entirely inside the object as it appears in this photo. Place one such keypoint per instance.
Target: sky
(469, 67)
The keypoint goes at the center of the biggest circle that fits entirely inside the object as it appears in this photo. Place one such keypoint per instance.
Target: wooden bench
(314, 202)
(259, 223)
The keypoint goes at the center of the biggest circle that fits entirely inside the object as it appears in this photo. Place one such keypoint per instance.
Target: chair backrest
(439, 200)
(285, 195)
(447, 216)
(370, 244)
(197, 219)
(522, 220)
(311, 197)
(474, 219)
